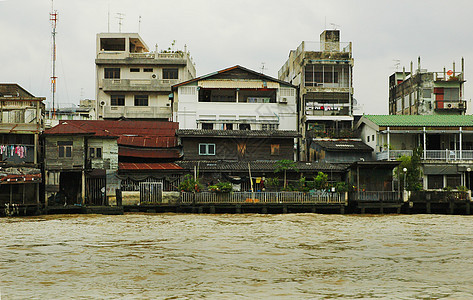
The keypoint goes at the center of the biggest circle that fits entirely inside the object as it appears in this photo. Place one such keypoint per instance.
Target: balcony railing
(376, 196)
(446, 155)
(134, 112)
(263, 197)
(138, 84)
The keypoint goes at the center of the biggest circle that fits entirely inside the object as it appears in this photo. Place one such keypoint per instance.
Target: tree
(414, 172)
(321, 181)
(284, 165)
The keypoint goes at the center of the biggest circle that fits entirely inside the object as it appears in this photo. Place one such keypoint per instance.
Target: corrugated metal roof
(148, 153)
(148, 141)
(23, 178)
(147, 166)
(421, 121)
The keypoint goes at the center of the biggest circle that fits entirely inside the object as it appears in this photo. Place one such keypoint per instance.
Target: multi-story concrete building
(134, 82)
(421, 92)
(323, 72)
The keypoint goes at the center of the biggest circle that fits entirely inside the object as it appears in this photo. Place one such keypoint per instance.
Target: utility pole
(53, 17)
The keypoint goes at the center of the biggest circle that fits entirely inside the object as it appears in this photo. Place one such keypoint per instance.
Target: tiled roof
(147, 166)
(343, 145)
(421, 121)
(238, 133)
(269, 166)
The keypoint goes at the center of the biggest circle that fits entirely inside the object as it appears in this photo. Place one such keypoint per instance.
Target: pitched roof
(343, 145)
(238, 133)
(421, 120)
(210, 75)
(147, 166)
(269, 166)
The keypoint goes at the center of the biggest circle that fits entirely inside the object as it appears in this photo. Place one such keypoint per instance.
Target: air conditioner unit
(452, 105)
(283, 100)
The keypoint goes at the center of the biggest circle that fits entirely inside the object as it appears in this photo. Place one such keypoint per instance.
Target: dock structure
(249, 202)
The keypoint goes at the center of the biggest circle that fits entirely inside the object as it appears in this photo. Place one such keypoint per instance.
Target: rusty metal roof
(148, 141)
(23, 178)
(147, 166)
(148, 153)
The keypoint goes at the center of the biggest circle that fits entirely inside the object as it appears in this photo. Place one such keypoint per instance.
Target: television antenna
(120, 17)
(335, 26)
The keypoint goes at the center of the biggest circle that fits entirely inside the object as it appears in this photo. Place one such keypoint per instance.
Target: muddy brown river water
(184, 256)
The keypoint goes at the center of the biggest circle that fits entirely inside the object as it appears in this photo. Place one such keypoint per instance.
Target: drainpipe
(425, 144)
(461, 133)
(389, 144)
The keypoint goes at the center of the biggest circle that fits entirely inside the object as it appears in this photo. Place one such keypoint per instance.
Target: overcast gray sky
(222, 33)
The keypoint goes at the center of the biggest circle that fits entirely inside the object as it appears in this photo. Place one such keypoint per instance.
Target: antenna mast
(53, 17)
(120, 17)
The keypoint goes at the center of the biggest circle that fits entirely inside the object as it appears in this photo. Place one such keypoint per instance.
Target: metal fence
(376, 196)
(263, 197)
(151, 192)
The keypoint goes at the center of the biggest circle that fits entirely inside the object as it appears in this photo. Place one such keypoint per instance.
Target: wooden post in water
(451, 207)
(212, 209)
(264, 210)
(342, 209)
(468, 208)
(238, 209)
(427, 207)
(284, 209)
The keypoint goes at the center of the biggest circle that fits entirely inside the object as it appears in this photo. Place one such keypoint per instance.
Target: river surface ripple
(185, 256)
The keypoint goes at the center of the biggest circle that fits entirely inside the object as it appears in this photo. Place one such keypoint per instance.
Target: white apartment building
(134, 82)
(235, 99)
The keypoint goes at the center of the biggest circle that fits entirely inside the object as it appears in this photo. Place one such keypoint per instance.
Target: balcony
(440, 155)
(138, 85)
(137, 112)
(17, 154)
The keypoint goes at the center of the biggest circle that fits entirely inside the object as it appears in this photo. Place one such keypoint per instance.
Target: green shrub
(189, 184)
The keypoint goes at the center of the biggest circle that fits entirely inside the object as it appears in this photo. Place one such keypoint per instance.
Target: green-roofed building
(446, 140)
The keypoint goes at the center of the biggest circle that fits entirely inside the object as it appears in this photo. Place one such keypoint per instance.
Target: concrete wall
(190, 110)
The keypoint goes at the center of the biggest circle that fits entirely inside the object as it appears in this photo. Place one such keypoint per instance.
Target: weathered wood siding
(228, 148)
(52, 161)
(109, 160)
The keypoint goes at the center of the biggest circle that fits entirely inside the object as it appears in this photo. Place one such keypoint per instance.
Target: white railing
(263, 197)
(393, 154)
(446, 155)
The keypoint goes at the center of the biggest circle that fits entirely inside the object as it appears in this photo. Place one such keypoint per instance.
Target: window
(228, 126)
(206, 149)
(274, 149)
(117, 100)
(141, 100)
(149, 70)
(207, 126)
(241, 149)
(134, 70)
(453, 181)
(112, 73)
(434, 182)
(269, 126)
(64, 149)
(171, 73)
(244, 127)
(368, 139)
(95, 152)
(372, 138)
